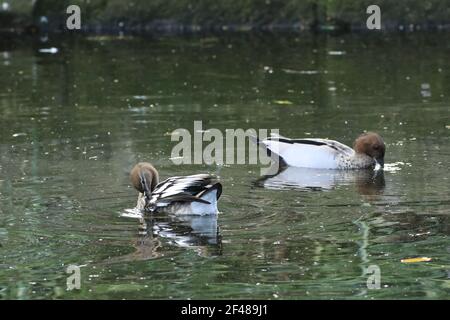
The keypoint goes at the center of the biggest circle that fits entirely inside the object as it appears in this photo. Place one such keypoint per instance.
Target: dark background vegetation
(243, 15)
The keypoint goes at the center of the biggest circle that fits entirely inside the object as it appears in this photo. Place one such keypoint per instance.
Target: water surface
(74, 122)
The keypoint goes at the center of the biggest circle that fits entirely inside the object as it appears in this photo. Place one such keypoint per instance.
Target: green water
(72, 124)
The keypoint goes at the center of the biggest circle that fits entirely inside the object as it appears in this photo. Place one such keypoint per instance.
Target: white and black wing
(184, 189)
(309, 153)
(335, 145)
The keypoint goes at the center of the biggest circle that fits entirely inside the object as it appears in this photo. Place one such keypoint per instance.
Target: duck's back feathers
(335, 145)
(195, 194)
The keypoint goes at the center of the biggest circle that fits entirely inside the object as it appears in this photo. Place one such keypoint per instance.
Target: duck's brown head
(371, 144)
(144, 178)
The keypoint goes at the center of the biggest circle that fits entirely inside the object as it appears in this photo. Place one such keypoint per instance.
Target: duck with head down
(368, 150)
(370, 145)
(192, 195)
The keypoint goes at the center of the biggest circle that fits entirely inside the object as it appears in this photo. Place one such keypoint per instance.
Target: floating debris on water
(425, 90)
(283, 102)
(337, 53)
(414, 260)
(268, 69)
(176, 158)
(20, 134)
(141, 97)
(307, 72)
(52, 50)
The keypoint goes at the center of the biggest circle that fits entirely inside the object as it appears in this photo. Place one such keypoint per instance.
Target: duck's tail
(211, 197)
(270, 153)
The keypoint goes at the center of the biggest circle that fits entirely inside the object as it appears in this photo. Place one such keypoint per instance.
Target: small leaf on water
(414, 260)
(20, 134)
(283, 102)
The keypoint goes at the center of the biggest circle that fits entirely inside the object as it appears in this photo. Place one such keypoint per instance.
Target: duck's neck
(361, 161)
(140, 201)
(355, 161)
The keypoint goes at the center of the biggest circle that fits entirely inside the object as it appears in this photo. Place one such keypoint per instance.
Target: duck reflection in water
(368, 182)
(199, 233)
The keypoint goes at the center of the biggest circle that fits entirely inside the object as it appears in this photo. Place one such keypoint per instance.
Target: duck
(368, 151)
(181, 195)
